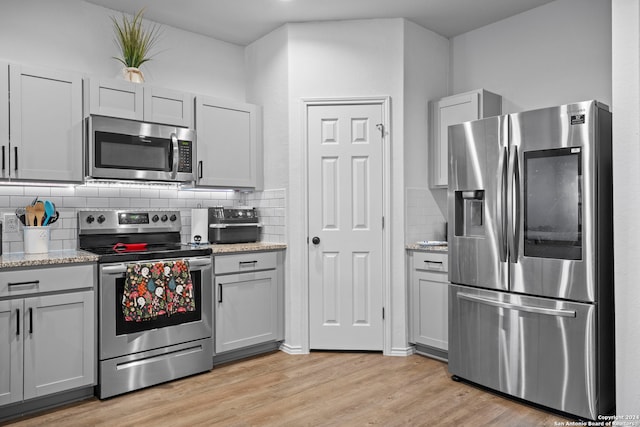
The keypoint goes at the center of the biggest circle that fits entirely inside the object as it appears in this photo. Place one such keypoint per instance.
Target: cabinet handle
(200, 169)
(219, 292)
(32, 282)
(18, 321)
(241, 263)
(16, 158)
(30, 320)
(3, 167)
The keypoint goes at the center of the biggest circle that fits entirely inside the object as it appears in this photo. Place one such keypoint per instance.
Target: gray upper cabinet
(114, 98)
(4, 118)
(45, 113)
(168, 106)
(229, 144)
(134, 101)
(449, 111)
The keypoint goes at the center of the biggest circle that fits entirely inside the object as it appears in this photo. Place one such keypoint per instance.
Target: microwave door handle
(175, 155)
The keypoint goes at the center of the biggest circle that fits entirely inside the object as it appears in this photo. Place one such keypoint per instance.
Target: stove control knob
(155, 218)
(90, 219)
(164, 218)
(173, 217)
(101, 219)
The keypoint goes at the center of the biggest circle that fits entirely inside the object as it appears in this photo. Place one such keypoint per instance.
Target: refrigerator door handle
(510, 306)
(514, 205)
(501, 205)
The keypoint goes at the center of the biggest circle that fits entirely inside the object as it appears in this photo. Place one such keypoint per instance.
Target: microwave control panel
(185, 154)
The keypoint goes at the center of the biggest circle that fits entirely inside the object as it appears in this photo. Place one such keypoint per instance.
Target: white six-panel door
(345, 167)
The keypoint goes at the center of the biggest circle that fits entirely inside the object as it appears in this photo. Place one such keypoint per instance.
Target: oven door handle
(114, 269)
(199, 262)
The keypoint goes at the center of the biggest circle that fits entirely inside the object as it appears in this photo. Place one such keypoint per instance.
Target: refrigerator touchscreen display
(553, 204)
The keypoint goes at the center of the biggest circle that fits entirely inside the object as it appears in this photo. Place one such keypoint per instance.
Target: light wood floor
(319, 389)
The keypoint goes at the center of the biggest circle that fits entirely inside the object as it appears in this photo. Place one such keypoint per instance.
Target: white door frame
(385, 103)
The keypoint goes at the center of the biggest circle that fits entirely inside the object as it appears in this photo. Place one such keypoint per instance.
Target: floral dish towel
(157, 289)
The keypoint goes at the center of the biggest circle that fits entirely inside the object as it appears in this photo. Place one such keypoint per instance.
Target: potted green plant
(135, 44)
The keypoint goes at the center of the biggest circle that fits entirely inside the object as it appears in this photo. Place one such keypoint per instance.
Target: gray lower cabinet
(248, 301)
(47, 342)
(428, 303)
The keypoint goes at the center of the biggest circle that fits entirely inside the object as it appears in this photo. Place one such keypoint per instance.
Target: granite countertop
(246, 247)
(67, 256)
(421, 248)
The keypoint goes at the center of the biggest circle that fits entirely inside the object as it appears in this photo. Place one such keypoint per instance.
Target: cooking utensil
(49, 211)
(38, 210)
(129, 247)
(54, 218)
(21, 214)
(30, 215)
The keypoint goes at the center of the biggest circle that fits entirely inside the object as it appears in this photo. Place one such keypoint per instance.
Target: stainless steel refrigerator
(531, 256)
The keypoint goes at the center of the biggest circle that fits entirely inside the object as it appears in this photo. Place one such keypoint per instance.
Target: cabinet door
(4, 119)
(430, 309)
(246, 308)
(448, 111)
(168, 107)
(227, 150)
(116, 98)
(46, 124)
(11, 333)
(59, 347)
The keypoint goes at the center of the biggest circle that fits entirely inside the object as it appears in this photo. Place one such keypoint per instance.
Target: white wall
(626, 175)
(75, 35)
(555, 54)
(341, 59)
(267, 63)
(426, 77)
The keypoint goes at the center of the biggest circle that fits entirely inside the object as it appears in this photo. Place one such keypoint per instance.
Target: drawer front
(240, 263)
(430, 261)
(49, 279)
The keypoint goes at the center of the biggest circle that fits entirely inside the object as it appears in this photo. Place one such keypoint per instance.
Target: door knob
(315, 240)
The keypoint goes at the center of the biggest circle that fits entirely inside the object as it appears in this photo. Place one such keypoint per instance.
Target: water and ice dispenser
(469, 213)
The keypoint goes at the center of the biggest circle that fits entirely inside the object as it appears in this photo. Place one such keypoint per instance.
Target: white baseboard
(402, 352)
(292, 350)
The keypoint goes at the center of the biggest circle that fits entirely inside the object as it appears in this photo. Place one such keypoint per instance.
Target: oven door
(126, 149)
(119, 337)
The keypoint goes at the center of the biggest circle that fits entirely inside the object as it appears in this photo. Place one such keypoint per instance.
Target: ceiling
(244, 21)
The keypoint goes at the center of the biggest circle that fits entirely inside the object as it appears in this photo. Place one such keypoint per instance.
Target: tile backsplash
(271, 206)
(424, 219)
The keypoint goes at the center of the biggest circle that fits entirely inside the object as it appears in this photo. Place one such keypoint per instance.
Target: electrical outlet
(11, 223)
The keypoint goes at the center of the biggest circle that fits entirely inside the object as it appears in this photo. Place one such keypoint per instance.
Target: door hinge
(383, 223)
(382, 313)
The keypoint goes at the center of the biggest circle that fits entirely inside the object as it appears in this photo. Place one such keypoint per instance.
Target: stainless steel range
(154, 298)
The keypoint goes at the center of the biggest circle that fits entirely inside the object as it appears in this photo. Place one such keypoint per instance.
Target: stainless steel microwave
(132, 150)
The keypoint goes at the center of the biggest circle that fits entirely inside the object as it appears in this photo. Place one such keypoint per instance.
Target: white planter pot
(133, 74)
